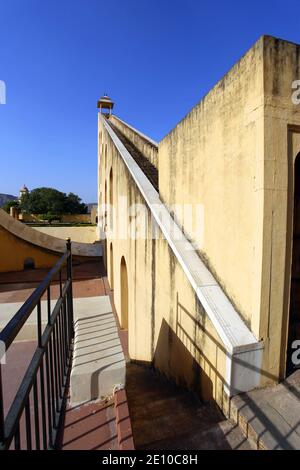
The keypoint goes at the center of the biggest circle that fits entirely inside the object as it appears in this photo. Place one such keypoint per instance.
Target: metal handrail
(45, 380)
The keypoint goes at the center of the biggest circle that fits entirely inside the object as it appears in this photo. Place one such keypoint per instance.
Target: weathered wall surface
(76, 218)
(233, 154)
(275, 182)
(148, 147)
(77, 234)
(212, 157)
(14, 251)
(165, 324)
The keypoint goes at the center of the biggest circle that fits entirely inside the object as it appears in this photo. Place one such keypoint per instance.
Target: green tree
(50, 201)
(73, 205)
(6, 207)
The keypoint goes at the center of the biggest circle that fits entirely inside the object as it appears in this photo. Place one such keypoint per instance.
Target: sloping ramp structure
(19, 242)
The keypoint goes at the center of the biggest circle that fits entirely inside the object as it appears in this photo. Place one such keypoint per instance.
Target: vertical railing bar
(50, 398)
(17, 438)
(55, 355)
(28, 424)
(60, 284)
(59, 353)
(69, 276)
(36, 415)
(49, 304)
(69, 319)
(65, 334)
(57, 368)
(2, 433)
(53, 383)
(42, 385)
(39, 323)
(62, 342)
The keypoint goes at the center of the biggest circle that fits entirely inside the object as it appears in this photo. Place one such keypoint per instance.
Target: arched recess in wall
(111, 266)
(105, 224)
(111, 199)
(105, 156)
(124, 294)
(29, 263)
(105, 205)
(294, 313)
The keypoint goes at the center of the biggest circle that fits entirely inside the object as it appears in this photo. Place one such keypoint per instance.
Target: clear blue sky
(155, 58)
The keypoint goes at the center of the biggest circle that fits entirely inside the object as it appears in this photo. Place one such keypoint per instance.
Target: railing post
(1, 410)
(70, 291)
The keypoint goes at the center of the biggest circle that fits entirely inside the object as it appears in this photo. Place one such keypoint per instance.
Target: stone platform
(98, 361)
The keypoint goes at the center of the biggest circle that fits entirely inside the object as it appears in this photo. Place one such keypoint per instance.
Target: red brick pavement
(91, 426)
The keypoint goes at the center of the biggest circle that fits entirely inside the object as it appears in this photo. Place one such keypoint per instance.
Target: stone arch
(29, 263)
(111, 199)
(111, 266)
(105, 205)
(287, 222)
(294, 313)
(105, 155)
(124, 293)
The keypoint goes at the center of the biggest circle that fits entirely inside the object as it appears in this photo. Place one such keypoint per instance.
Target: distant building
(23, 190)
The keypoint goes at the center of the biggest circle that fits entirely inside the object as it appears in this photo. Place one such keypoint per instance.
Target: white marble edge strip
(234, 333)
(144, 136)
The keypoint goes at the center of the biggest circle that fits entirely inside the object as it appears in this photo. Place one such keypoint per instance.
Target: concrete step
(221, 436)
(270, 418)
(98, 359)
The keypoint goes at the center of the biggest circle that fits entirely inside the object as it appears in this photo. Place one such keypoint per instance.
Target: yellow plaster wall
(13, 252)
(166, 323)
(67, 218)
(281, 146)
(77, 234)
(234, 154)
(213, 158)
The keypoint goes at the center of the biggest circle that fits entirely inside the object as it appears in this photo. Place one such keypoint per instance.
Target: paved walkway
(89, 280)
(90, 426)
(163, 416)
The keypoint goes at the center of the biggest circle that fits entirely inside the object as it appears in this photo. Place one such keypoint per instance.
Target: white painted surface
(98, 360)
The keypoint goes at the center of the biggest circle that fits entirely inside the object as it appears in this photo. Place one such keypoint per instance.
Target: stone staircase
(164, 416)
(270, 417)
(145, 165)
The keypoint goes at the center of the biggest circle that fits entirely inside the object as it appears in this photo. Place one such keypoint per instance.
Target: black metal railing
(34, 416)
